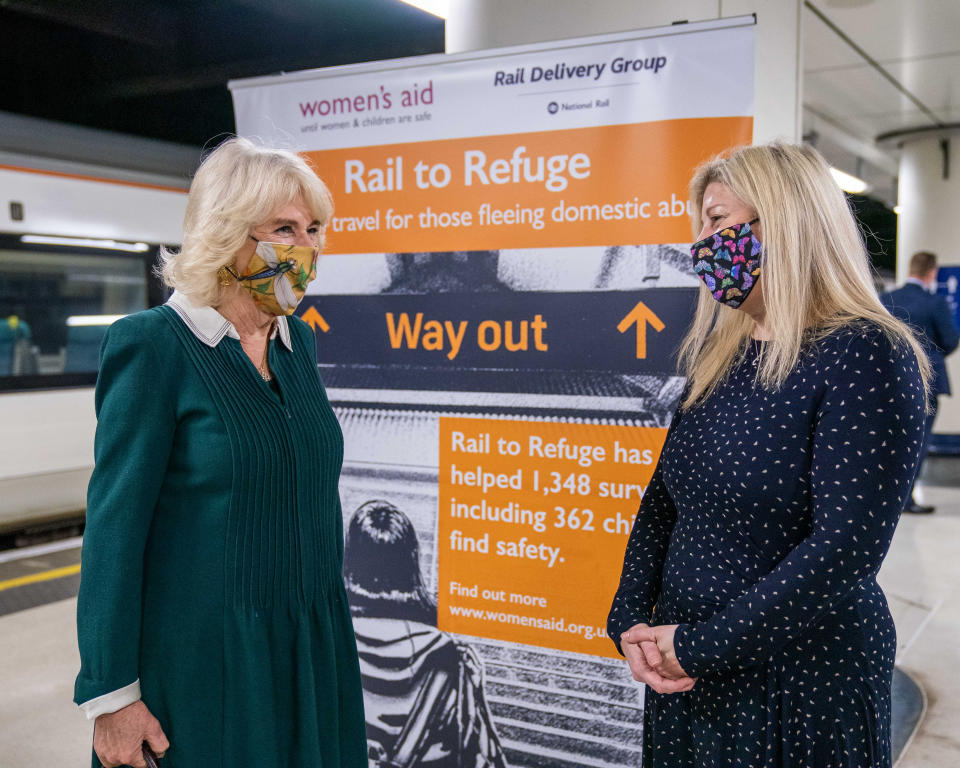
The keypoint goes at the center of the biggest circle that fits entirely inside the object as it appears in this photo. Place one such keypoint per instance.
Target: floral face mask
(278, 275)
(728, 262)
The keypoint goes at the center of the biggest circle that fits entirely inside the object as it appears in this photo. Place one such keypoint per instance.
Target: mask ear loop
(763, 250)
(228, 269)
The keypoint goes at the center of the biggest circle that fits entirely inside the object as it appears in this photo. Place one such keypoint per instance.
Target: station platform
(39, 724)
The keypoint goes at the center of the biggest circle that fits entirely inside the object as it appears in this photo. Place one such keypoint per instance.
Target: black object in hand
(149, 756)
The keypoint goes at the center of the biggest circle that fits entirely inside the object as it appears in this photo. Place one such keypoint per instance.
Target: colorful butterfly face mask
(728, 262)
(278, 275)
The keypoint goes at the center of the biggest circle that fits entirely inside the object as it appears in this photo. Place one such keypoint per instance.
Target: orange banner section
(618, 184)
(533, 521)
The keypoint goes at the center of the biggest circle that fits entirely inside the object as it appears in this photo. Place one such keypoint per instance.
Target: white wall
(929, 206)
(477, 24)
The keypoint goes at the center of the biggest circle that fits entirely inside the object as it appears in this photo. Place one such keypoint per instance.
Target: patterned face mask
(729, 263)
(278, 275)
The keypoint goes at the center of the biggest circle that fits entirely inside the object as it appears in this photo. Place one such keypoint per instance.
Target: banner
(498, 310)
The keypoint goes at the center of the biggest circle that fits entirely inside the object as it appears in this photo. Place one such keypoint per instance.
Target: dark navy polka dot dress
(761, 534)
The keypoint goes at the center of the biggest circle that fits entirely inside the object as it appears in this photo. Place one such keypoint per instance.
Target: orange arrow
(314, 318)
(641, 315)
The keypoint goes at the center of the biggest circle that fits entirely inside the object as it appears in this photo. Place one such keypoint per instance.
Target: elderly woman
(748, 601)
(213, 621)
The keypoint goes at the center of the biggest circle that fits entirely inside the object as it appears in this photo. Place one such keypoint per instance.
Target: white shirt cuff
(113, 701)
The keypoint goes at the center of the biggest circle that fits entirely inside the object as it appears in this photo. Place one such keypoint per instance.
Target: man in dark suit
(929, 315)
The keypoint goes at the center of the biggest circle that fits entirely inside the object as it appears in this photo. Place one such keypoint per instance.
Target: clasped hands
(649, 652)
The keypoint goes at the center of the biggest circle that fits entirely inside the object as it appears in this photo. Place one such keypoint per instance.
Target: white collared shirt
(210, 326)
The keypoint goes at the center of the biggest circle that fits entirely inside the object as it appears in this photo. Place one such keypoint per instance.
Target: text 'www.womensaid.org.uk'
(557, 625)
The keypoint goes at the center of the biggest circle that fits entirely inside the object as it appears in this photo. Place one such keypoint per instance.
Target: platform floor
(921, 578)
(39, 724)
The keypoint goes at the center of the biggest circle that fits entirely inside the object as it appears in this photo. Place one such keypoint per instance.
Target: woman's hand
(657, 642)
(118, 737)
(641, 644)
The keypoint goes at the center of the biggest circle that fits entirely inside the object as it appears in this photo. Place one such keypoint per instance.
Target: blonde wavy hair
(816, 277)
(236, 188)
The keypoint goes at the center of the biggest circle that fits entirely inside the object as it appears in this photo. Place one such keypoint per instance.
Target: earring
(225, 277)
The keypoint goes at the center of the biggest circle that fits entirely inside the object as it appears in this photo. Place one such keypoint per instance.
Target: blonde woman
(748, 601)
(213, 623)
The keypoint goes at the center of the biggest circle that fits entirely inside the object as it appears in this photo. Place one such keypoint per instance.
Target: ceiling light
(76, 320)
(85, 242)
(849, 183)
(439, 8)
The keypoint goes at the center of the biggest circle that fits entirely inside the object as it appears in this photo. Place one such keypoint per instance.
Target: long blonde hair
(235, 189)
(816, 276)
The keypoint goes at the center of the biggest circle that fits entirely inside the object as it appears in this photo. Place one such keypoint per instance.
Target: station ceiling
(158, 68)
(872, 68)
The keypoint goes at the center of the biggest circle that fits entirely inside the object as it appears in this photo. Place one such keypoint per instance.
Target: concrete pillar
(476, 24)
(928, 222)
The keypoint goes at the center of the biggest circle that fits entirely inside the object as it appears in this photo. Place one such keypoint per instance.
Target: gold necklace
(264, 371)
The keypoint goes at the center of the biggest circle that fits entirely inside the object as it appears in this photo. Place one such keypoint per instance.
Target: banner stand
(506, 282)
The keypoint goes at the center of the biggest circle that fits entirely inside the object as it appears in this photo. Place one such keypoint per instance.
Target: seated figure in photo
(423, 691)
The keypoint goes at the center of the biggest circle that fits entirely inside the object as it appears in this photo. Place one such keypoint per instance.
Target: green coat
(211, 565)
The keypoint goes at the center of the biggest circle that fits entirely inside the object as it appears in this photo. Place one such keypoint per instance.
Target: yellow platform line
(33, 578)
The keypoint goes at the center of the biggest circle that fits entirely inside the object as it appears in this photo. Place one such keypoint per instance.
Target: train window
(56, 302)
